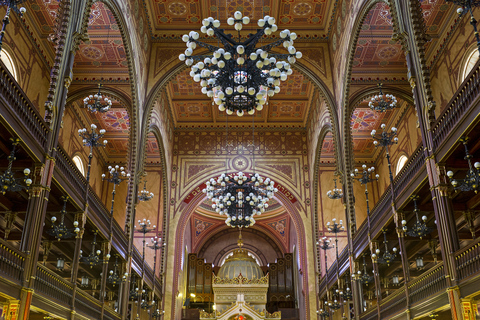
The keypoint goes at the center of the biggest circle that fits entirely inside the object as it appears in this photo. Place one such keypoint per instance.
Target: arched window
(469, 62)
(401, 163)
(79, 163)
(9, 63)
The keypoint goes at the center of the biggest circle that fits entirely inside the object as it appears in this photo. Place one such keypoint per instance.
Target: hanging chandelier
(364, 277)
(468, 6)
(11, 5)
(240, 196)
(8, 182)
(336, 193)
(93, 259)
(472, 178)
(114, 278)
(239, 76)
(60, 231)
(335, 304)
(97, 102)
(144, 194)
(382, 102)
(419, 228)
(387, 256)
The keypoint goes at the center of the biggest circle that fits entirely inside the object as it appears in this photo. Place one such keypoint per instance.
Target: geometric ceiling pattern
(376, 55)
(104, 54)
(312, 16)
(364, 120)
(376, 52)
(190, 107)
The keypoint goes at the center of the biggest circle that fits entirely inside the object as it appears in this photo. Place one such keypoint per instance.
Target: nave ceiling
(319, 24)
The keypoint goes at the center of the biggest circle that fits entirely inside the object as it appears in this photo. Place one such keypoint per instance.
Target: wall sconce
(395, 280)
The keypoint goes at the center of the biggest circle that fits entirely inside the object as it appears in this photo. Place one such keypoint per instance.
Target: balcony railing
(429, 283)
(53, 286)
(394, 303)
(370, 314)
(22, 111)
(457, 108)
(69, 173)
(87, 305)
(12, 262)
(468, 260)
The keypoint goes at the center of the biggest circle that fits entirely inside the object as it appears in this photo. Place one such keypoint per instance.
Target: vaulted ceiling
(103, 56)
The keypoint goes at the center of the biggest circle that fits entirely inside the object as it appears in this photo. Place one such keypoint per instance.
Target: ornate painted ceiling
(311, 16)
(191, 108)
(378, 57)
(104, 55)
(164, 21)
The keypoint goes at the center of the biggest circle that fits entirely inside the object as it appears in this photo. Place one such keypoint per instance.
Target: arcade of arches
(170, 138)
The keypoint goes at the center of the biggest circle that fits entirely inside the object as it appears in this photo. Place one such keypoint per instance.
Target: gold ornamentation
(240, 280)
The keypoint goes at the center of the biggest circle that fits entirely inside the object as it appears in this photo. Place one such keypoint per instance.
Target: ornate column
(32, 231)
(410, 30)
(356, 289)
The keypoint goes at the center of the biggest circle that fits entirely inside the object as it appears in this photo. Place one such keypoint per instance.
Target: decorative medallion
(240, 163)
(302, 9)
(92, 53)
(177, 8)
(387, 53)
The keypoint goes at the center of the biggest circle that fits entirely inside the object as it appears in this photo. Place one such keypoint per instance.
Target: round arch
(345, 101)
(326, 129)
(153, 128)
(134, 115)
(156, 91)
(223, 230)
(188, 210)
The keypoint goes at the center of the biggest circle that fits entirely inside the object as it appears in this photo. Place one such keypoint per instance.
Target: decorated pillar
(32, 231)
(410, 31)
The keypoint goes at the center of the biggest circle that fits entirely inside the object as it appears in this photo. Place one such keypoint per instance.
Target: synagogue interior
(239, 159)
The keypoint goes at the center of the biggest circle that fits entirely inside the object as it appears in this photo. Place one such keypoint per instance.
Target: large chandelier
(240, 76)
(240, 196)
